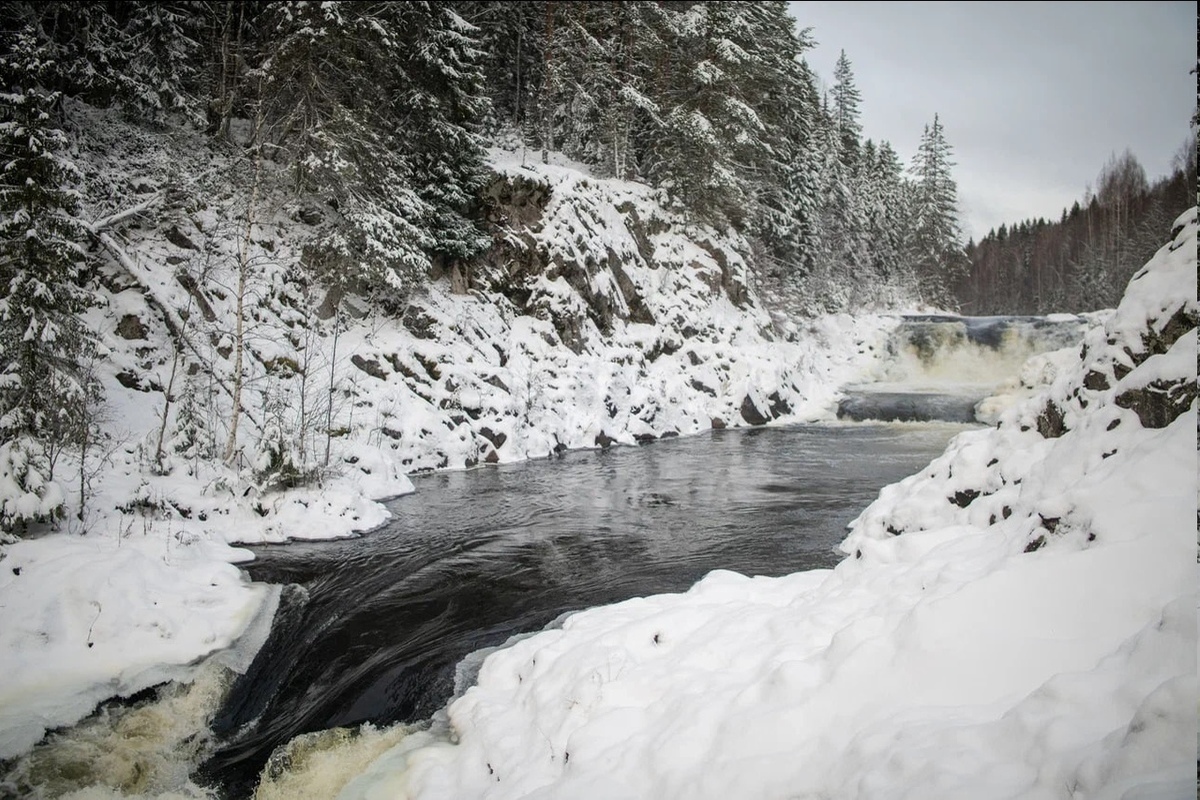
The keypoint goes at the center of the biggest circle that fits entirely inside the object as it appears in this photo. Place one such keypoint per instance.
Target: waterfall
(941, 367)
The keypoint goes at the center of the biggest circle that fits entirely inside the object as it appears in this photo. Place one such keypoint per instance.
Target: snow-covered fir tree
(788, 208)
(710, 128)
(883, 196)
(600, 75)
(46, 389)
(935, 247)
(442, 93)
(327, 75)
(80, 45)
(510, 40)
(844, 109)
(159, 72)
(378, 108)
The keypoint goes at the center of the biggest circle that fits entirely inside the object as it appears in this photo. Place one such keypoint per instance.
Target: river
(376, 625)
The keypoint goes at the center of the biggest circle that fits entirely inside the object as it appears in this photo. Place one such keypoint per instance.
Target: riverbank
(626, 324)
(1019, 619)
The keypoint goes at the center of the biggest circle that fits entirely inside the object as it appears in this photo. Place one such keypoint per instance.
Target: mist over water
(973, 350)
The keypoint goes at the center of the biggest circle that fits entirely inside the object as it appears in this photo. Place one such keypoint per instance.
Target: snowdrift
(1018, 620)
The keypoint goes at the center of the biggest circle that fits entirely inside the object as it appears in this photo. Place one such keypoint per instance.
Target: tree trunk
(162, 428)
(458, 283)
(548, 87)
(238, 349)
(337, 329)
(239, 337)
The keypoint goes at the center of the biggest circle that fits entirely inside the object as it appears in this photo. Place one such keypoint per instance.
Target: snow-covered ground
(1017, 620)
(943, 662)
(143, 586)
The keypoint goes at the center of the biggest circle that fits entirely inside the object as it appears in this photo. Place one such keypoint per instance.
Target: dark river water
(372, 628)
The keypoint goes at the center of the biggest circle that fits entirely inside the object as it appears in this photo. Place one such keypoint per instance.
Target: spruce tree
(46, 390)
(787, 220)
(935, 248)
(327, 101)
(441, 105)
(159, 51)
(714, 136)
(784, 177)
(886, 213)
(378, 106)
(842, 260)
(845, 112)
(597, 81)
(510, 41)
(78, 43)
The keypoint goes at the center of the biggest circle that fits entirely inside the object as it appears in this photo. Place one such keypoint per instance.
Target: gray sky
(1034, 97)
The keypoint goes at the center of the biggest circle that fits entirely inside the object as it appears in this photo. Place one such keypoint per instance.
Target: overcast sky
(1034, 97)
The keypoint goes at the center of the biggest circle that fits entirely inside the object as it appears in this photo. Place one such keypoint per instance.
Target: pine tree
(714, 137)
(46, 391)
(379, 107)
(782, 177)
(159, 67)
(510, 40)
(629, 38)
(788, 217)
(327, 100)
(597, 81)
(842, 260)
(886, 213)
(78, 44)
(235, 35)
(573, 92)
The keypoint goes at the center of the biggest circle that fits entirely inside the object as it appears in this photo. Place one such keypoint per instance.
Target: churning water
(941, 367)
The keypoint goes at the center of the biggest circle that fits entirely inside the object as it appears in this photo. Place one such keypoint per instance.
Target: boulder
(751, 414)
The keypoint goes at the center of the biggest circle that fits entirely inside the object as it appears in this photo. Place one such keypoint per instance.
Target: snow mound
(1018, 620)
(103, 618)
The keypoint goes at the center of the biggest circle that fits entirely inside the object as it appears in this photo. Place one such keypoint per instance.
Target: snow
(142, 587)
(88, 618)
(946, 661)
(1037, 640)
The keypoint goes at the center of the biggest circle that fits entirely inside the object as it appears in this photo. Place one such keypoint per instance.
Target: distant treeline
(1082, 261)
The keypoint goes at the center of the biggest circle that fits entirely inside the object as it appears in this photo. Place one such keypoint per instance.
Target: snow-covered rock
(597, 317)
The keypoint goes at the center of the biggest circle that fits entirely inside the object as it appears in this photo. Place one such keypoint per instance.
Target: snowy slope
(597, 318)
(1018, 620)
